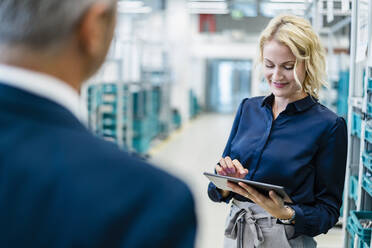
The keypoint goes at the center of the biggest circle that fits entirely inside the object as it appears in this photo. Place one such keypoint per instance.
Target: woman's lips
(279, 85)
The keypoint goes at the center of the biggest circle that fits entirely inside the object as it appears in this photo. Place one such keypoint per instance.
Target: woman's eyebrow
(290, 61)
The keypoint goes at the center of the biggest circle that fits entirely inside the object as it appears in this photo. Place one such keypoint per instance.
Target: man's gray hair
(40, 23)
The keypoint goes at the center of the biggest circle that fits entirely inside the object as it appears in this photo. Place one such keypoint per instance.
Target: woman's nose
(277, 75)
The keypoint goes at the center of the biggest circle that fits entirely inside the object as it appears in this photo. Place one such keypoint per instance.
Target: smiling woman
(287, 138)
(293, 39)
(283, 76)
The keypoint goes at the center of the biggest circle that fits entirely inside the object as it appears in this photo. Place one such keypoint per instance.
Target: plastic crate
(368, 134)
(141, 144)
(367, 184)
(107, 108)
(154, 126)
(364, 234)
(109, 88)
(108, 116)
(370, 84)
(176, 119)
(111, 121)
(369, 109)
(351, 231)
(141, 127)
(108, 132)
(356, 125)
(364, 245)
(367, 160)
(353, 188)
(108, 98)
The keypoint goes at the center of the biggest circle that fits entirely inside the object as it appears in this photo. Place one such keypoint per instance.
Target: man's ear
(91, 30)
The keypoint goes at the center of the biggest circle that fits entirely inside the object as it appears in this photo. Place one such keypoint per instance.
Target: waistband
(251, 206)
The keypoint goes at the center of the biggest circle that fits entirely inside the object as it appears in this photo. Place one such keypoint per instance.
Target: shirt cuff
(215, 195)
(299, 221)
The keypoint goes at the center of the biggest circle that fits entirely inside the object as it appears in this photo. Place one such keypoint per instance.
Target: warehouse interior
(178, 69)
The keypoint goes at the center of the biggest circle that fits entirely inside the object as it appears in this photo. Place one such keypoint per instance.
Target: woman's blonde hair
(297, 33)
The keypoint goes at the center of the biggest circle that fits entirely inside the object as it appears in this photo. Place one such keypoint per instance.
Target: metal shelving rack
(110, 97)
(357, 193)
(360, 71)
(328, 18)
(129, 98)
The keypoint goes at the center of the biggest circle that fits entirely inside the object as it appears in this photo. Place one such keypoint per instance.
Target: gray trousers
(250, 226)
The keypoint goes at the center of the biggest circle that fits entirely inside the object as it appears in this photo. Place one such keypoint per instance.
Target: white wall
(178, 36)
(189, 50)
(208, 49)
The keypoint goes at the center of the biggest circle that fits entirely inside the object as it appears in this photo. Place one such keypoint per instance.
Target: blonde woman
(287, 138)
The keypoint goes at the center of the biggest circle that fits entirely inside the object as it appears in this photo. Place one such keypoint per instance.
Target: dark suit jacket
(60, 186)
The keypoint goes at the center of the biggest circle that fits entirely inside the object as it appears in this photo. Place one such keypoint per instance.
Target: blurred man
(59, 185)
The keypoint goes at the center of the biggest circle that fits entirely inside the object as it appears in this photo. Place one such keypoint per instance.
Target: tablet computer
(263, 188)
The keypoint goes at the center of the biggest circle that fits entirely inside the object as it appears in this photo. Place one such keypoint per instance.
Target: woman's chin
(279, 93)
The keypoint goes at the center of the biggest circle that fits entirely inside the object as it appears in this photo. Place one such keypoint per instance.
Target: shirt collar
(293, 107)
(45, 86)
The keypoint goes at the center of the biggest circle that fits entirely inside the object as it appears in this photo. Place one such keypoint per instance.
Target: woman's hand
(231, 168)
(273, 204)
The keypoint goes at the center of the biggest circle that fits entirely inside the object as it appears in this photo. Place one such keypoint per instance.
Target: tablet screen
(263, 188)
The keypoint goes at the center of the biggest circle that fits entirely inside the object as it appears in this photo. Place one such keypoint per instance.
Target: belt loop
(270, 220)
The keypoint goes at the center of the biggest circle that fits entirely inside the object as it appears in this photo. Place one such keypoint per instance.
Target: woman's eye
(288, 68)
(269, 66)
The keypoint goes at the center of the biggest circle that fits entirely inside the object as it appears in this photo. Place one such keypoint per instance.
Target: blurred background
(178, 69)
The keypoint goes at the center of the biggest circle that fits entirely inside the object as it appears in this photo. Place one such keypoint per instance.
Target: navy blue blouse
(304, 149)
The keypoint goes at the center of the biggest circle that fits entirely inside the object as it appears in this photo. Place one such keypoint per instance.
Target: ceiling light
(283, 6)
(288, 1)
(208, 5)
(130, 4)
(209, 11)
(142, 10)
(207, 1)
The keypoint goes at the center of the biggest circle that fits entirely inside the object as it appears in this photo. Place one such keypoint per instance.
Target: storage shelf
(368, 134)
(353, 188)
(367, 161)
(356, 125)
(356, 102)
(359, 151)
(367, 184)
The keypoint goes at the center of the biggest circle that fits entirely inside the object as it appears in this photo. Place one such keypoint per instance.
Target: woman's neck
(280, 103)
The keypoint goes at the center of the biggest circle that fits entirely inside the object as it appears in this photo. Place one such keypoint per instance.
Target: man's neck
(61, 67)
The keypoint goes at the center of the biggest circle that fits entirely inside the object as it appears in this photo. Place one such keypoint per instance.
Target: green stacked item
(367, 160)
(356, 124)
(353, 188)
(369, 87)
(367, 183)
(155, 112)
(102, 100)
(146, 124)
(343, 93)
(368, 134)
(194, 105)
(176, 118)
(141, 122)
(359, 224)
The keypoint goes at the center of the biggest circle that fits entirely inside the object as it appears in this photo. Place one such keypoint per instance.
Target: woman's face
(278, 68)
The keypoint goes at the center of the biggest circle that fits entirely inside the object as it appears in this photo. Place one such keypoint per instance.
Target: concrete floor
(194, 149)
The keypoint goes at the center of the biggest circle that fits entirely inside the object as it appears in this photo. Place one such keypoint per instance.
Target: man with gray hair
(59, 185)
